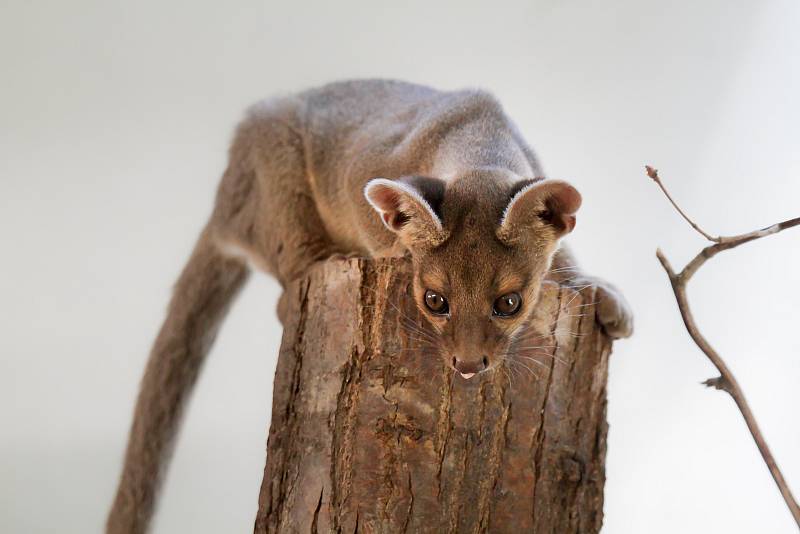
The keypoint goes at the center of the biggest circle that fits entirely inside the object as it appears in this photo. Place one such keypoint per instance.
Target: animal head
(480, 247)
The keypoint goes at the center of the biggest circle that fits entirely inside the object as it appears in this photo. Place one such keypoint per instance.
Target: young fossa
(373, 168)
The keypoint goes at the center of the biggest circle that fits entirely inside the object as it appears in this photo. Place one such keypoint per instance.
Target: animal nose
(469, 368)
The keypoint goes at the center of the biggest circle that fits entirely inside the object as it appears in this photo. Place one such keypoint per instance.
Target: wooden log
(370, 432)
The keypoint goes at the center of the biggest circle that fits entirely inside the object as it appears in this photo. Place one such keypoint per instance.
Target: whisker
(586, 304)
(569, 332)
(531, 371)
(511, 368)
(414, 350)
(564, 268)
(417, 331)
(508, 376)
(537, 362)
(577, 292)
(532, 352)
(422, 341)
(389, 302)
(416, 327)
(562, 361)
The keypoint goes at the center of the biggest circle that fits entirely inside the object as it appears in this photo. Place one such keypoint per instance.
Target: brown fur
(292, 195)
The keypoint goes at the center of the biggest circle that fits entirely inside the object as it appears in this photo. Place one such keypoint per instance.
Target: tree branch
(726, 381)
(653, 173)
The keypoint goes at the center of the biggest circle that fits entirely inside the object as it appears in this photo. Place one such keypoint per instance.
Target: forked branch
(726, 380)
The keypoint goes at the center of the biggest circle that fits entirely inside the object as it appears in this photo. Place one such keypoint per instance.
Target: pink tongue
(467, 375)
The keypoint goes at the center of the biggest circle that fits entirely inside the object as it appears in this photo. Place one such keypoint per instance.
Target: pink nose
(469, 368)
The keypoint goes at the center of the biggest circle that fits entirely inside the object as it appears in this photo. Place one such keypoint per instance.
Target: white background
(114, 124)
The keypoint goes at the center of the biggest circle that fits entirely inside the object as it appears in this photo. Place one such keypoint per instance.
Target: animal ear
(404, 209)
(545, 204)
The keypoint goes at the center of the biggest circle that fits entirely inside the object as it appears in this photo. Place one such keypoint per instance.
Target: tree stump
(371, 432)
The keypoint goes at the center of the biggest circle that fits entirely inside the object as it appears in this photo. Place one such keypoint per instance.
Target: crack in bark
(573, 362)
(495, 459)
(455, 495)
(390, 470)
(346, 401)
(315, 521)
(410, 504)
(285, 489)
(539, 447)
(397, 430)
(578, 489)
(443, 426)
(482, 411)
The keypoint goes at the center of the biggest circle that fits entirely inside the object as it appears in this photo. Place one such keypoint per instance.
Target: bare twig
(653, 173)
(726, 381)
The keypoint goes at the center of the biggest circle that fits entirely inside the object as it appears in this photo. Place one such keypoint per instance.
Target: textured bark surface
(371, 433)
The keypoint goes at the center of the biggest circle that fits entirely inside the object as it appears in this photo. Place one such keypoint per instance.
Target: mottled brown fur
(293, 194)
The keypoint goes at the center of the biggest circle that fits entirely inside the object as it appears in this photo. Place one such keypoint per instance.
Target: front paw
(613, 311)
(344, 256)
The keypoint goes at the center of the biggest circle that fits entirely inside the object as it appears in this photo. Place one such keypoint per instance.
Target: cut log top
(370, 432)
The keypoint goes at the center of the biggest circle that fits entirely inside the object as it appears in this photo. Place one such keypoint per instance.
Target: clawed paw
(613, 311)
(344, 257)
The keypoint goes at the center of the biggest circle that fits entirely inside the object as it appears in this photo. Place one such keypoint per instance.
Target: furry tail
(206, 288)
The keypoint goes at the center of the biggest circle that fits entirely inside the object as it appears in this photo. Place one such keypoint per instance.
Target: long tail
(206, 288)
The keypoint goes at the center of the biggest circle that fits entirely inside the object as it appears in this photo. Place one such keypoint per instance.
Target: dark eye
(507, 305)
(436, 303)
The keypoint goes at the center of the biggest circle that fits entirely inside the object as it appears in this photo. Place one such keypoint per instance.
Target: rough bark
(371, 433)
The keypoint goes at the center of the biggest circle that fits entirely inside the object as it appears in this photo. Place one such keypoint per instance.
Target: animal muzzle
(468, 368)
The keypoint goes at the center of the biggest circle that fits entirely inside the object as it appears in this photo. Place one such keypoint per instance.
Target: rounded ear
(404, 210)
(542, 204)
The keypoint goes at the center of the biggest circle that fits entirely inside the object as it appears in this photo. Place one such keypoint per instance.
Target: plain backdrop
(114, 123)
